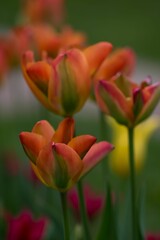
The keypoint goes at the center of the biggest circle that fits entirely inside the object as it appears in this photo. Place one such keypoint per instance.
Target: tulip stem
(103, 126)
(65, 216)
(83, 211)
(132, 180)
(103, 131)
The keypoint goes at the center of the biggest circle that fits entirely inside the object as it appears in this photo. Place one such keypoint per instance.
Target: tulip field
(80, 134)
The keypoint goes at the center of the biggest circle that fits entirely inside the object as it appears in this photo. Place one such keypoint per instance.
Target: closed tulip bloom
(119, 158)
(128, 102)
(59, 159)
(62, 84)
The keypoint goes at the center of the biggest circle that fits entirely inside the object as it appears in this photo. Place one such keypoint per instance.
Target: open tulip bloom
(59, 159)
(63, 84)
(57, 83)
(128, 102)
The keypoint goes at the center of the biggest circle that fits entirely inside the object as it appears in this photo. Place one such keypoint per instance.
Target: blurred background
(124, 23)
(135, 24)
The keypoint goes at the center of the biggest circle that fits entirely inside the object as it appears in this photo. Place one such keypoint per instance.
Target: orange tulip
(63, 84)
(44, 11)
(58, 159)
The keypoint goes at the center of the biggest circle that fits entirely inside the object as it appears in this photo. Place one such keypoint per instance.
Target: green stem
(103, 126)
(132, 180)
(103, 133)
(65, 216)
(83, 211)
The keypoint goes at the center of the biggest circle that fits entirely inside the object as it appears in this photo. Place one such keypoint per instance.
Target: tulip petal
(124, 85)
(40, 74)
(44, 129)
(36, 91)
(35, 169)
(32, 144)
(96, 53)
(96, 153)
(46, 165)
(64, 132)
(117, 104)
(68, 165)
(121, 60)
(82, 144)
(59, 165)
(149, 106)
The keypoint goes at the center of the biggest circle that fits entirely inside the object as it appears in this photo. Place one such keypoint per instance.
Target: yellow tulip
(119, 158)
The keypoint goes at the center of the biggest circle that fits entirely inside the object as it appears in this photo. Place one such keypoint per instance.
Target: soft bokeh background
(132, 23)
(124, 23)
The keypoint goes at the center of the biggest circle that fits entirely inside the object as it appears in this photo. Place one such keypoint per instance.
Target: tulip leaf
(140, 216)
(126, 223)
(107, 228)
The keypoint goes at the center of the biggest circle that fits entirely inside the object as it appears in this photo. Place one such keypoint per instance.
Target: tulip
(62, 84)
(59, 159)
(93, 202)
(151, 236)
(25, 227)
(119, 158)
(128, 102)
(44, 10)
(70, 38)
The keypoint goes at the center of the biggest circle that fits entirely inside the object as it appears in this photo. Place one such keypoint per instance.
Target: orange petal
(82, 144)
(40, 74)
(95, 54)
(35, 89)
(64, 132)
(68, 165)
(35, 169)
(95, 155)
(32, 144)
(121, 60)
(45, 129)
(46, 165)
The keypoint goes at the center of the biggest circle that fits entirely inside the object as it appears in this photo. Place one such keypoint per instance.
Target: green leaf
(126, 222)
(125, 230)
(141, 215)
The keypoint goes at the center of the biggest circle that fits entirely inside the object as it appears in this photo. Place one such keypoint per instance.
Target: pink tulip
(25, 227)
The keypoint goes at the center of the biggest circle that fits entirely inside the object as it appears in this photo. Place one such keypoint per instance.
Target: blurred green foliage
(124, 23)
